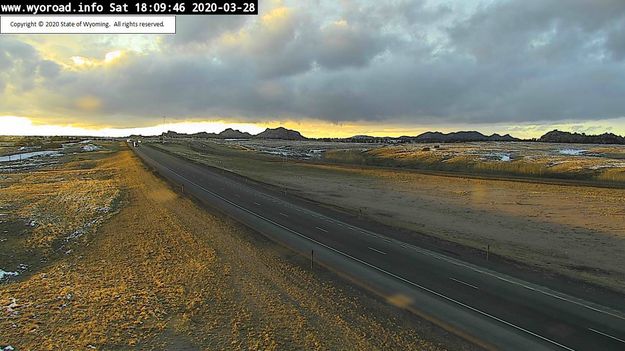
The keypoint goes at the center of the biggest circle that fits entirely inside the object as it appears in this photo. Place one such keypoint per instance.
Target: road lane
(512, 314)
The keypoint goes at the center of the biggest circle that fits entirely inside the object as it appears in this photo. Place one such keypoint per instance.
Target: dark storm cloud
(616, 42)
(48, 69)
(514, 30)
(342, 46)
(18, 64)
(408, 61)
(197, 30)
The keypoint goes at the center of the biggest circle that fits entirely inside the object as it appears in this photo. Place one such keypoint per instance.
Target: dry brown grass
(46, 212)
(165, 274)
(528, 160)
(62, 209)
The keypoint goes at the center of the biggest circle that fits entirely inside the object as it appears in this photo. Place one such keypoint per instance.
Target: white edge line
(323, 230)
(608, 335)
(464, 283)
(375, 267)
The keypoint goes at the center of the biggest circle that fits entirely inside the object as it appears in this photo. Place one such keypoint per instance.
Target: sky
(332, 68)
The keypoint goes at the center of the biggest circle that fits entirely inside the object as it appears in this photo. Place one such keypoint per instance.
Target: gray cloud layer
(409, 61)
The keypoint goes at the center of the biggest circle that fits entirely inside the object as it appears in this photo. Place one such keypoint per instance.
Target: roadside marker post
(312, 258)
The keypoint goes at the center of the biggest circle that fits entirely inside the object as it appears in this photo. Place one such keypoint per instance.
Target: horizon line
(294, 130)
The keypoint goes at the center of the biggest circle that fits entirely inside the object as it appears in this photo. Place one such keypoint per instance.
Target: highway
(491, 309)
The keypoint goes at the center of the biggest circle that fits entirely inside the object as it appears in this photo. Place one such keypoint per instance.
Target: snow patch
(572, 152)
(28, 148)
(4, 274)
(10, 308)
(81, 231)
(7, 348)
(500, 156)
(104, 209)
(90, 147)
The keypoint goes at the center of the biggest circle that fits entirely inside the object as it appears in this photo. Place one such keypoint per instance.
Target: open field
(28, 153)
(162, 273)
(601, 163)
(565, 161)
(577, 231)
(48, 203)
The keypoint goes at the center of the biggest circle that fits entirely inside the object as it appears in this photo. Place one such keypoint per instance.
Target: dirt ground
(577, 231)
(164, 274)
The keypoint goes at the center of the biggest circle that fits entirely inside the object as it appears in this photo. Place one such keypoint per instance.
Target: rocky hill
(556, 136)
(234, 134)
(276, 133)
(226, 134)
(289, 134)
(280, 133)
(438, 137)
(204, 135)
(427, 137)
